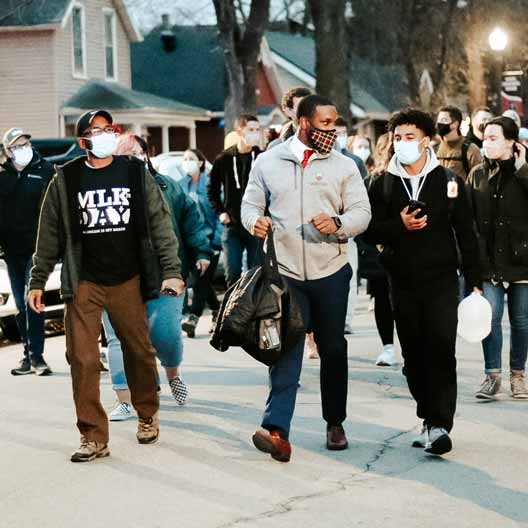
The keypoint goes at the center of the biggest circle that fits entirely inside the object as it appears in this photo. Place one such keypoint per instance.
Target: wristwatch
(337, 222)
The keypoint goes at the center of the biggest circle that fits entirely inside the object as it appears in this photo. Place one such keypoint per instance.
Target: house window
(78, 29)
(110, 44)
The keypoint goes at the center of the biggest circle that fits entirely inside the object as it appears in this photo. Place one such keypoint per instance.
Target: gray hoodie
(330, 185)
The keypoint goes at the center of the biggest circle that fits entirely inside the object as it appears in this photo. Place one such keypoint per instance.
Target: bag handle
(271, 265)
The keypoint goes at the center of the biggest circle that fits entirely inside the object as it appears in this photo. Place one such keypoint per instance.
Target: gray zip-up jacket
(292, 195)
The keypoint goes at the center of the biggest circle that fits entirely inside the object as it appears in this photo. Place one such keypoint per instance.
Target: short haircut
(308, 105)
(508, 125)
(341, 122)
(480, 109)
(412, 116)
(288, 97)
(454, 113)
(243, 119)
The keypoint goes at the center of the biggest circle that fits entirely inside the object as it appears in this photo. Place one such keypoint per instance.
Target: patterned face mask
(323, 140)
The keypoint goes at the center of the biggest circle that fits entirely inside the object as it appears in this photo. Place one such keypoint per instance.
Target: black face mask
(443, 128)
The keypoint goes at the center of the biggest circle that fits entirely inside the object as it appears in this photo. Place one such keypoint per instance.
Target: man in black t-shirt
(105, 218)
(227, 183)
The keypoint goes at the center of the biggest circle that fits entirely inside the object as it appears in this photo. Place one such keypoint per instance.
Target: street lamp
(498, 40)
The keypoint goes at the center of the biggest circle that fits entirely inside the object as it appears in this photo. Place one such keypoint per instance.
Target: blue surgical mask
(407, 152)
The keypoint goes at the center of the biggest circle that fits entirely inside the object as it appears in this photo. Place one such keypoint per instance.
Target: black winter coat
(20, 200)
(224, 193)
(500, 200)
(421, 259)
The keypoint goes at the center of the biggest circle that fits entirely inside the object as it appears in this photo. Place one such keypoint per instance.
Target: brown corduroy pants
(127, 313)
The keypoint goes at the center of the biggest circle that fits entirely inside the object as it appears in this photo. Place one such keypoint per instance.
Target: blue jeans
(323, 305)
(518, 315)
(235, 239)
(164, 318)
(30, 324)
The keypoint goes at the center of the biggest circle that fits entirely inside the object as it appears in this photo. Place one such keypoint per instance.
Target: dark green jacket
(193, 243)
(500, 200)
(60, 238)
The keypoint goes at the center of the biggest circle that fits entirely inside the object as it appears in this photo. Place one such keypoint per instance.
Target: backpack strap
(450, 176)
(387, 187)
(464, 155)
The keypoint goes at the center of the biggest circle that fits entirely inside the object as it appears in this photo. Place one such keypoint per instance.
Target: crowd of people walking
(426, 217)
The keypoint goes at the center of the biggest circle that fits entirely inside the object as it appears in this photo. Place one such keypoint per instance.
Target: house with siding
(59, 58)
(192, 70)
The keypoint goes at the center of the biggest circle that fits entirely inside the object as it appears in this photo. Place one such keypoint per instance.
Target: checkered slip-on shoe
(179, 390)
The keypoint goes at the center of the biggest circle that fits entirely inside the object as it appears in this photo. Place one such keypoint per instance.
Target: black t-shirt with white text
(109, 243)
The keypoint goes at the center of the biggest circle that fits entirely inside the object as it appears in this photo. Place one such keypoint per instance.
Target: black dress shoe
(336, 439)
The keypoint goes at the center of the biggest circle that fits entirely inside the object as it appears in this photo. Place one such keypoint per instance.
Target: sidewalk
(204, 471)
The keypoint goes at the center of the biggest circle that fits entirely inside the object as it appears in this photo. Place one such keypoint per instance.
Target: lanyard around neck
(414, 196)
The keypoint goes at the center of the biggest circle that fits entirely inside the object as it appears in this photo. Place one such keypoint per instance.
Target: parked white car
(8, 310)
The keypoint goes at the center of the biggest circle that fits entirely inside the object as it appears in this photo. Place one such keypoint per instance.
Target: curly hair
(412, 116)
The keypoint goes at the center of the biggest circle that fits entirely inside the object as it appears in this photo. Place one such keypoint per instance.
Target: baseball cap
(12, 135)
(86, 119)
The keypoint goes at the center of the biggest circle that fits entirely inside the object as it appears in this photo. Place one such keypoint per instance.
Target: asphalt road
(204, 471)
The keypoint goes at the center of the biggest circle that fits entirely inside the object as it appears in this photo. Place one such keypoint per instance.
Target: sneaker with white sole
(123, 411)
(490, 387)
(439, 442)
(422, 439)
(387, 358)
(179, 390)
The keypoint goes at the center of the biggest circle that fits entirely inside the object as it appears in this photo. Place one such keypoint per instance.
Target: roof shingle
(32, 12)
(113, 96)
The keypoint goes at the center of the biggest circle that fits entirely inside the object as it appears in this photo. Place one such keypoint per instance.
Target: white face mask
(342, 142)
(103, 145)
(23, 156)
(494, 150)
(252, 139)
(190, 166)
(363, 153)
(407, 152)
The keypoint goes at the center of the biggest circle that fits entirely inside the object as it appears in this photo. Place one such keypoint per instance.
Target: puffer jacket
(193, 243)
(499, 194)
(292, 195)
(212, 224)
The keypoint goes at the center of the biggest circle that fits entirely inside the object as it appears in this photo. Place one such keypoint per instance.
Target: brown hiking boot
(518, 385)
(490, 387)
(90, 450)
(148, 430)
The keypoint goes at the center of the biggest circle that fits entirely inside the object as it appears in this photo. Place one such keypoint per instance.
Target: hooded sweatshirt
(418, 259)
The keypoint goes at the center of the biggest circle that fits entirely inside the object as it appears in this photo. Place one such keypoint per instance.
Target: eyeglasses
(19, 146)
(98, 131)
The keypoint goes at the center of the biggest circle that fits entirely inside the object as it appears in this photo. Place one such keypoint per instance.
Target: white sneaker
(387, 358)
(422, 439)
(122, 412)
(439, 442)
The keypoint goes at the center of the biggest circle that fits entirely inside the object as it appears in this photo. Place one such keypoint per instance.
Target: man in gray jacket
(316, 200)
